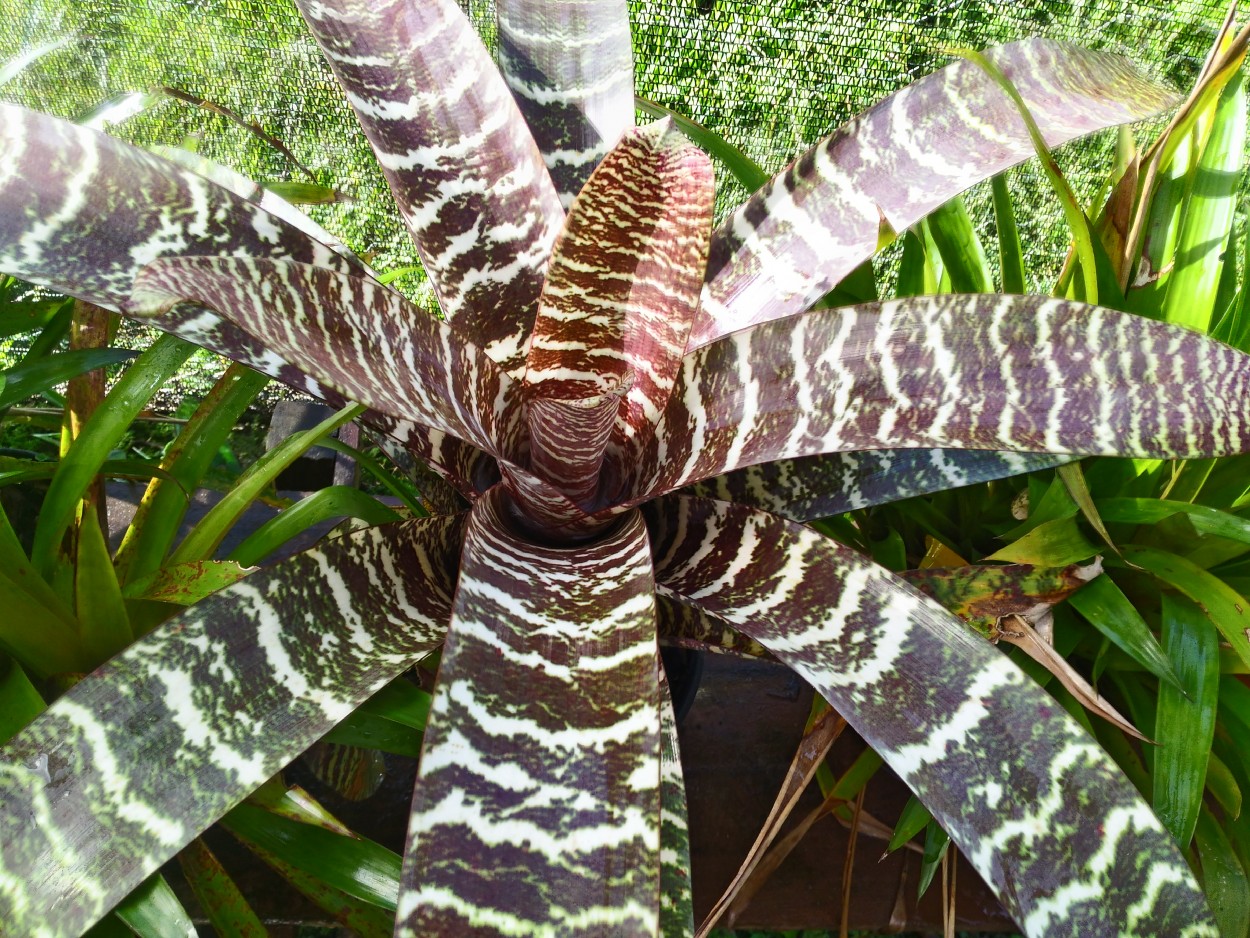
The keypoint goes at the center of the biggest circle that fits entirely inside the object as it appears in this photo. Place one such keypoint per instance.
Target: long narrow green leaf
(227, 910)
(20, 702)
(1185, 722)
(1223, 785)
(38, 636)
(1152, 510)
(186, 583)
(358, 867)
(1226, 607)
(1209, 207)
(361, 918)
(30, 378)
(163, 506)
(337, 501)
(911, 821)
(1106, 607)
(19, 63)
(202, 540)
(1224, 878)
(370, 731)
(98, 437)
(103, 621)
(1010, 253)
(153, 911)
(961, 249)
(380, 473)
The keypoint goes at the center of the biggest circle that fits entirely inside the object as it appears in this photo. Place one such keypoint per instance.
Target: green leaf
(354, 865)
(1153, 510)
(1106, 607)
(370, 731)
(337, 501)
(228, 912)
(203, 539)
(936, 843)
(1010, 253)
(28, 379)
(1226, 607)
(379, 472)
(186, 583)
(153, 911)
(361, 918)
(1224, 878)
(911, 821)
(304, 193)
(103, 621)
(961, 250)
(1185, 722)
(1210, 203)
(19, 701)
(98, 437)
(1055, 543)
(400, 701)
(1222, 784)
(155, 525)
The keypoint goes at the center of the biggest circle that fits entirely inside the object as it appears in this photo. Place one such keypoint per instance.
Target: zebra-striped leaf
(542, 754)
(812, 487)
(125, 769)
(462, 165)
(621, 293)
(570, 67)
(676, 898)
(820, 218)
(1067, 844)
(82, 213)
(360, 339)
(991, 372)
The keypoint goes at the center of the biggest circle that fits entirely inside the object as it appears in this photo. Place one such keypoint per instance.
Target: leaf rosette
(636, 412)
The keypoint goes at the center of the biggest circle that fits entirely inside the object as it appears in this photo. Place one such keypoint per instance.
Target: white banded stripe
(362, 339)
(1130, 387)
(570, 67)
(819, 219)
(812, 487)
(457, 154)
(152, 748)
(541, 760)
(1047, 818)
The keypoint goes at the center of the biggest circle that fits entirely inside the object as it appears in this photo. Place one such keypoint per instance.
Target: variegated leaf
(812, 487)
(541, 760)
(620, 295)
(676, 896)
(82, 212)
(570, 67)
(973, 372)
(253, 192)
(459, 158)
(681, 625)
(1041, 811)
(359, 338)
(133, 762)
(820, 218)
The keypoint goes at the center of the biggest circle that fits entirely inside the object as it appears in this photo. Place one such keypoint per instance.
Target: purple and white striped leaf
(82, 213)
(620, 296)
(537, 808)
(466, 174)
(1042, 812)
(138, 758)
(363, 340)
(676, 897)
(570, 67)
(820, 218)
(812, 487)
(969, 372)
(681, 625)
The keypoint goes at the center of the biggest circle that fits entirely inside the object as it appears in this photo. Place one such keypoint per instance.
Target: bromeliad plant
(598, 357)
